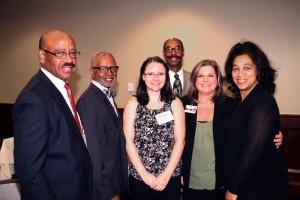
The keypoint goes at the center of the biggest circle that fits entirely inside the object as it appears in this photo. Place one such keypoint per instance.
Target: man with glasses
(51, 157)
(103, 127)
(173, 52)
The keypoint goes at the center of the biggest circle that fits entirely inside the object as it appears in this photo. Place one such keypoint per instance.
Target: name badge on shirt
(190, 109)
(164, 117)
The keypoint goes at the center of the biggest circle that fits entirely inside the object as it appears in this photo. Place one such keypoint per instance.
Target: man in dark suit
(173, 52)
(103, 127)
(51, 157)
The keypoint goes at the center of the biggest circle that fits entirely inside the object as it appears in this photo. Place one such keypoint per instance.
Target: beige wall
(133, 30)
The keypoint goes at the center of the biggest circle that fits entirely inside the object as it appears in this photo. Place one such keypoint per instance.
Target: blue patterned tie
(109, 93)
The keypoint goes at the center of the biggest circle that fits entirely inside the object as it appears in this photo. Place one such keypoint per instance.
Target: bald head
(53, 34)
(57, 53)
(172, 40)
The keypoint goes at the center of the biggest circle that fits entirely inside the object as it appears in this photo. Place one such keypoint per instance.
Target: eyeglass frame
(152, 75)
(177, 49)
(100, 68)
(65, 53)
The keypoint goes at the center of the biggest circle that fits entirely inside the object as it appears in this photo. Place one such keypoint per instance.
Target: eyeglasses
(104, 69)
(62, 54)
(177, 49)
(152, 75)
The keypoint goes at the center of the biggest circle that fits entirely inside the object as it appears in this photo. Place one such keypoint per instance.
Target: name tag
(190, 109)
(164, 117)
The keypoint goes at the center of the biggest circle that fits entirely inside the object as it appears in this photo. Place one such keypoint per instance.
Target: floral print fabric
(154, 142)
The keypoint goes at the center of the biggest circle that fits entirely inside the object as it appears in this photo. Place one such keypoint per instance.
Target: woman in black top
(206, 107)
(202, 169)
(254, 168)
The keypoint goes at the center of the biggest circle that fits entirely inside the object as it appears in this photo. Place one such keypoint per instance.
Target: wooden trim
(290, 127)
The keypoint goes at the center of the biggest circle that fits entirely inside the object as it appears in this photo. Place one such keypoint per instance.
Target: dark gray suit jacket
(51, 159)
(106, 143)
(186, 82)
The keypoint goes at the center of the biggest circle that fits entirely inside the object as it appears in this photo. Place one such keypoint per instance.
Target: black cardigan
(220, 112)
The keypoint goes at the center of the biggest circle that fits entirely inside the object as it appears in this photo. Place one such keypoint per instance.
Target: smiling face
(58, 41)
(154, 76)
(175, 56)
(244, 73)
(105, 79)
(206, 82)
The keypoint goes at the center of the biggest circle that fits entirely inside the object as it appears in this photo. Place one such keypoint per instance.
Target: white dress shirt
(60, 85)
(172, 78)
(111, 99)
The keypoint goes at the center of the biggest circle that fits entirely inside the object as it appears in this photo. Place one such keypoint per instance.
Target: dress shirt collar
(180, 73)
(101, 87)
(59, 84)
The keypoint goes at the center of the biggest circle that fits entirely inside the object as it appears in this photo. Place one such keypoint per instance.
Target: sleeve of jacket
(262, 127)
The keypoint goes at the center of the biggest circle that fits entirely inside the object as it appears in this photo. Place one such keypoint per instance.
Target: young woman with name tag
(154, 128)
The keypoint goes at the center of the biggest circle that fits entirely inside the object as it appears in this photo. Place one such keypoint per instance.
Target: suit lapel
(60, 103)
(186, 80)
(103, 99)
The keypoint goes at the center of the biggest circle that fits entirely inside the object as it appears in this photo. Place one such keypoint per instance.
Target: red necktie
(71, 99)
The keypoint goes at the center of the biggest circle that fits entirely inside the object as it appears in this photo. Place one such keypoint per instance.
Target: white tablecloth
(7, 159)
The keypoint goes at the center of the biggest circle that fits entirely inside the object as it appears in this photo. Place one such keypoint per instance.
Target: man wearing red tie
(51, 157)
(103, 127)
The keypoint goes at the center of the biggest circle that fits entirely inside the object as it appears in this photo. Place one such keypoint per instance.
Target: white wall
(133, 30)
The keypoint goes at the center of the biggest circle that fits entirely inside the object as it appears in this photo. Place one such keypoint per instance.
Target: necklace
(205, 104)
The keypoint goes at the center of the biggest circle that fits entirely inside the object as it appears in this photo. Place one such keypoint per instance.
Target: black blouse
(253, 165)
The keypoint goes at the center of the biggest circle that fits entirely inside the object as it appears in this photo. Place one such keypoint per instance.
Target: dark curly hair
(166, 93)
(266, 74)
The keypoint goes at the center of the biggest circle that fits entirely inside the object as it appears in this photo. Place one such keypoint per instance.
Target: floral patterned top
(154, 142)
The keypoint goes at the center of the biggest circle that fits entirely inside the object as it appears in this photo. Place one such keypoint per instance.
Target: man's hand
(230, 196)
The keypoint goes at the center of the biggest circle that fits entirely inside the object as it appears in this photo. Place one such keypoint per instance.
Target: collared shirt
(60, 85)
(172, 78)
(102, 88)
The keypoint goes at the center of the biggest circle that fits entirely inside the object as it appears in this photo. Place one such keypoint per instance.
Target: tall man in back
(51, 158)
(173, 52)
(103, 127)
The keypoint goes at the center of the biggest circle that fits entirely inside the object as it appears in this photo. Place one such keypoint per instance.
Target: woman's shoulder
(226, 103)
(226, 100)
(260, 95)
(177, 100)
(176, 103)
(131, 102)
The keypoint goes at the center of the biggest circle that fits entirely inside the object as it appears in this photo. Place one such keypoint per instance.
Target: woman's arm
(132, 152)
(263, 121)
(179, 139)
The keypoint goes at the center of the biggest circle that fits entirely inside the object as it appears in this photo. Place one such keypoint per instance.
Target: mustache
(174, 56)
(72, 65)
